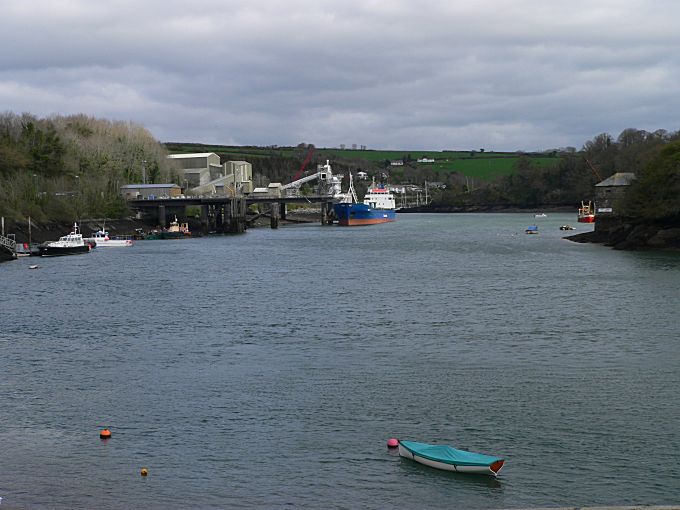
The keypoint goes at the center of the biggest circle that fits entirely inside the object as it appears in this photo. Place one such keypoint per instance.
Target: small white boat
(450, 459)
(101, 238)
(34, 266)
(540, 215)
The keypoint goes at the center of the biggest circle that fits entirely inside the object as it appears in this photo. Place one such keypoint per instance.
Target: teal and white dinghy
(450, 459)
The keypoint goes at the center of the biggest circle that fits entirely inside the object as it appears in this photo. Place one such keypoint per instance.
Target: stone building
(610, 191)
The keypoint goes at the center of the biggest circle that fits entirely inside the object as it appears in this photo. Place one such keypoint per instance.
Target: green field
(486, 167)
(479, 165)
(237, 152)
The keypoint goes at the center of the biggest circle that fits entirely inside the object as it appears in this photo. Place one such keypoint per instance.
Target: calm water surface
(269, 369)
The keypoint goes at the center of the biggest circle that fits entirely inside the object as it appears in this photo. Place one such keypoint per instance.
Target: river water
(269, 369)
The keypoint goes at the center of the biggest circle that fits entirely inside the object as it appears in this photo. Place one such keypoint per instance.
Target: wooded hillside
(68, 167)
(64, 168)
(574, 178)
(655, 195)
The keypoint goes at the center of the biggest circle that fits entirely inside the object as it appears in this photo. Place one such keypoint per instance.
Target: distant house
(412, 188)
(425, 160)
(362, 176)
(149, 191)
(610, 191)
(436, 184)
(397, 162)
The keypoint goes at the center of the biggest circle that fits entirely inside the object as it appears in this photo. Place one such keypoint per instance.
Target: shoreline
(451, 209)
(617, 233)
(629, 235)
(53, 230)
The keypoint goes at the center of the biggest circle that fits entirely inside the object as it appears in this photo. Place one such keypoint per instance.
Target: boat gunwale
(451, 463)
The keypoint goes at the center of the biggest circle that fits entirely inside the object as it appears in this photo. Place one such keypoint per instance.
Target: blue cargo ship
(378, 206)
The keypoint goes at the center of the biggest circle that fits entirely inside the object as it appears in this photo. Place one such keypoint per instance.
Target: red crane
(304, 164)
(592, 169)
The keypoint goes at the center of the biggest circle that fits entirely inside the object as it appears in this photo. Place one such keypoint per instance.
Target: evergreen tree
(655, 194)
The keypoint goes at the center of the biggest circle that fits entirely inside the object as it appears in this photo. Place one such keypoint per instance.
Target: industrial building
(150, 191)
(202, 174)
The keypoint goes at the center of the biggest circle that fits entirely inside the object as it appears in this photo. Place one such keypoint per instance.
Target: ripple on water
(267, 370)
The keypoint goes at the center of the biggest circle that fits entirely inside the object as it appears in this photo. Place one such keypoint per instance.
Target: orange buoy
(105, 434)
(144, 472)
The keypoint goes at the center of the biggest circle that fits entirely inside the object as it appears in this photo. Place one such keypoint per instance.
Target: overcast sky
(426, 74)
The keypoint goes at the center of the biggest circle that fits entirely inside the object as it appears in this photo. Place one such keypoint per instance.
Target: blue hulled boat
(450, 459)
(379, 206)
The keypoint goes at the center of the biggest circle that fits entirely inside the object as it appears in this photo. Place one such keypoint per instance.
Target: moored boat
(450, 459)
(531, 229)
(176, 230)
(586, 213)
(378, 206)
(27, 249)
(540, 215)
(101, 238)
(69, 244)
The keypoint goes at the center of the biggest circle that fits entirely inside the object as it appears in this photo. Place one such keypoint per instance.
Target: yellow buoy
(144, 472)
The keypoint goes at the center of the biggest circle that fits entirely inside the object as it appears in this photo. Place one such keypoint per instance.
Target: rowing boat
(451, 459)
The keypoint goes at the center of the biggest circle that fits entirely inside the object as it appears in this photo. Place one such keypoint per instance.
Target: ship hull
(109, 243)
(173, 235)
(360, 214)
(586, 219)
(51, 251)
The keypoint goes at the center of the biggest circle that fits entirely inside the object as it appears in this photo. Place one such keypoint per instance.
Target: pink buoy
(392, 443)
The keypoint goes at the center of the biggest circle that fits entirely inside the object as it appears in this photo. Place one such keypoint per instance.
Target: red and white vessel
(586, 213)
(101, 238)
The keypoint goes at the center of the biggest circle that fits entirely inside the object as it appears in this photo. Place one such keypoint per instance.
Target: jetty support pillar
(218, 216)
(282, 210)
(205, 227)
(237, 216)
(161, 216)
(274, 211)
(326, 211)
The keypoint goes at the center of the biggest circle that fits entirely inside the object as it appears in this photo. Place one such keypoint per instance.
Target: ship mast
(351, 194)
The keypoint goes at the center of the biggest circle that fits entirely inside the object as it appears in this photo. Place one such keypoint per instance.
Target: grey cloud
(432, 74)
